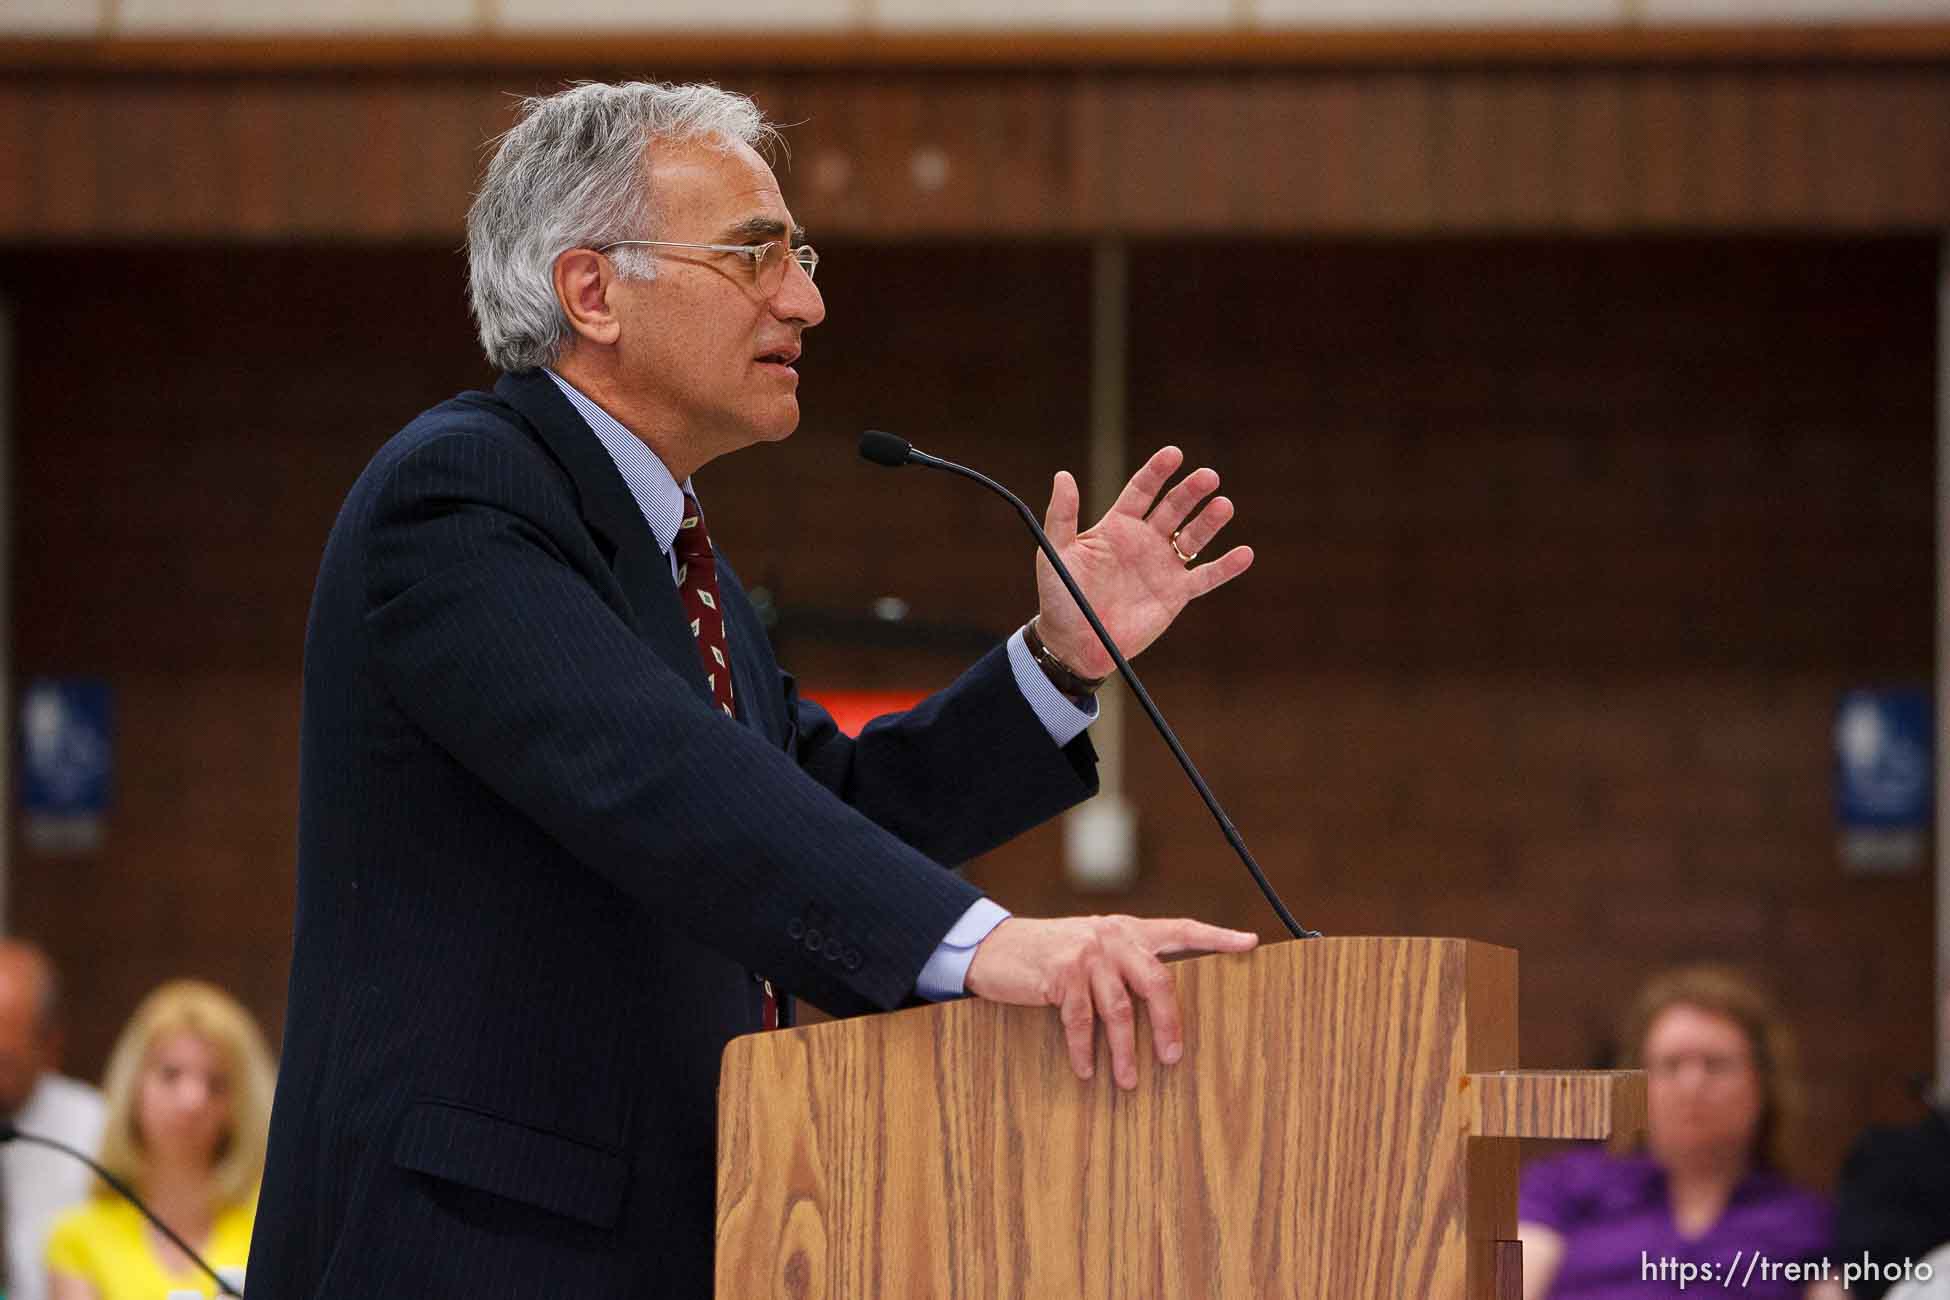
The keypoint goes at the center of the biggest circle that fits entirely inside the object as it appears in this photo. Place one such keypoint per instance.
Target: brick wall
(1565, 550)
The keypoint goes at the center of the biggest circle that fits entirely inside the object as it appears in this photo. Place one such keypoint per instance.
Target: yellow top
(106, 1244)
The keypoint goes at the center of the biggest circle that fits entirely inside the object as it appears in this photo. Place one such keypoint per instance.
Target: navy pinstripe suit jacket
(536, 869)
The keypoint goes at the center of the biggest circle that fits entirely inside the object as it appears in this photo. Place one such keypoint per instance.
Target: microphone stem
(223, 1287)
(1137, 687)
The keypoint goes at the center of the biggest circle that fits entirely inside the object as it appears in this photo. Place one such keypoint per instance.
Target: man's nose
(799, 298)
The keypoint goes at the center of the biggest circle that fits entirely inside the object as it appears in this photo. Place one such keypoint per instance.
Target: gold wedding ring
(1180, 554)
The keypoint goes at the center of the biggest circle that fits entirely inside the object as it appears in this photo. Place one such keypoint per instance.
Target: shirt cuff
(946, 973)
(1056, 711)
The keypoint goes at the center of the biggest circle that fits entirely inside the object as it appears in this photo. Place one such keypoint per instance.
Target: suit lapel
(639, 565)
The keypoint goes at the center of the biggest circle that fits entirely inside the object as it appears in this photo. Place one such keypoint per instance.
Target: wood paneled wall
(1566, 548)
(185, 423)
(384, 155)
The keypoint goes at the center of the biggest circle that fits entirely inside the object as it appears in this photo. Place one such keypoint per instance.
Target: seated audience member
(1893, 1204)
(1707, 1187)
(37, 1184)
(189, 1099)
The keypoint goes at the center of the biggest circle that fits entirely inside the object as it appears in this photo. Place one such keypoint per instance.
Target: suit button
(853, 959)
(812, 941)
(794, 928)
(833, 950)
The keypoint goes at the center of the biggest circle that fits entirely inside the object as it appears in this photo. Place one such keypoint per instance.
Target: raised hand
(1135, 569)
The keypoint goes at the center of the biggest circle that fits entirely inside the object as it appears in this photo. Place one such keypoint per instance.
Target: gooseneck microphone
(8, 1133)
(893, 452)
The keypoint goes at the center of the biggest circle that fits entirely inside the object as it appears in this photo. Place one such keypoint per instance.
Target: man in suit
(565, 826)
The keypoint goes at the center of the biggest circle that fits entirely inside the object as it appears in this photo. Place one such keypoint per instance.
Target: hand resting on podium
(1097, 966)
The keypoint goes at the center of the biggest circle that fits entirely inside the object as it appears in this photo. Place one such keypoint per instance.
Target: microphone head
(884, 448)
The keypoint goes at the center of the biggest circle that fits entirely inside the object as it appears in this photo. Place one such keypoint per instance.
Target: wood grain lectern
(1343, 1127)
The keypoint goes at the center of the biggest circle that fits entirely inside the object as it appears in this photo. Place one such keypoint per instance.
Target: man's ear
(582, 280)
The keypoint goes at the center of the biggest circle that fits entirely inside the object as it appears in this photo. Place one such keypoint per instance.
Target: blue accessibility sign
(1883, 773)
(66, 747)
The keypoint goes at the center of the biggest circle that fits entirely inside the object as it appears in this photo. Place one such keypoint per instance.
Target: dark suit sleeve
(490, 639)
(910, 772)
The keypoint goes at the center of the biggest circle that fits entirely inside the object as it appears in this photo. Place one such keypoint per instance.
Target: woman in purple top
(1703, 1208)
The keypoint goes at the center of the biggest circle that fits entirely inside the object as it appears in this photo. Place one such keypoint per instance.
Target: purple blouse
(1620, 1242)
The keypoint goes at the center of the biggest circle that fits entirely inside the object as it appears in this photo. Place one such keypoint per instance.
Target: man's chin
(782, 426)
(775, 423)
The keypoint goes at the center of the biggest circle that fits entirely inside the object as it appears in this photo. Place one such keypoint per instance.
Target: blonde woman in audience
(1707, 1193)
(188, 1105)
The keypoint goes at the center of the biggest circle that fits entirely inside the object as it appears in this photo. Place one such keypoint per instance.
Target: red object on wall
(853, 710)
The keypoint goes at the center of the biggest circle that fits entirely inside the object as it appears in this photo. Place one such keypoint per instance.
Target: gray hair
(573, 173)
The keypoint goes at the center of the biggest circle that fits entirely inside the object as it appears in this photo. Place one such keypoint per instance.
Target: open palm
(1126, 564)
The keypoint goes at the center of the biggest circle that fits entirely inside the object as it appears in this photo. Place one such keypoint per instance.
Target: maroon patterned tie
(697, 584)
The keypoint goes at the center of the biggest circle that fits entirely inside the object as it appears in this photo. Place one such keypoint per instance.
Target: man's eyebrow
(760, 229)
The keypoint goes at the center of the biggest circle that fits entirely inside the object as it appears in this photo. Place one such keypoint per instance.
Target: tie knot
(693, 542)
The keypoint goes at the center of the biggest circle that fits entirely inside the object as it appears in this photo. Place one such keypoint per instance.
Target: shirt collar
(657, 494)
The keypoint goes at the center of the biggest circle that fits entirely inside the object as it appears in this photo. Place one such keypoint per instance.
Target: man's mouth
(781, 357)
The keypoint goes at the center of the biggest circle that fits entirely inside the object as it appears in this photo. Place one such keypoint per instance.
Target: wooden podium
(1343, 1125)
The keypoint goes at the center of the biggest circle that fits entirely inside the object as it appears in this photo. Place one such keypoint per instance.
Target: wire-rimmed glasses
(768, 259)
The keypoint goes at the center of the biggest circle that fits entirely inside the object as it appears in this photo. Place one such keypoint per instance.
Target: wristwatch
(1061, 675)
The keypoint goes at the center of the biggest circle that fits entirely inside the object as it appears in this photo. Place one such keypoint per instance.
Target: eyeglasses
(1714, 1065)
(768, 260)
